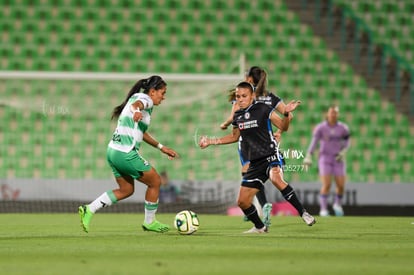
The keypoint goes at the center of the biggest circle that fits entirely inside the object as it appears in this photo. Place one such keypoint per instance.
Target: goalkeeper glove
(307, 160)
(341, 155)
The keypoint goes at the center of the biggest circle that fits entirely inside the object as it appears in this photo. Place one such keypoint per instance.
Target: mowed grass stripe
(55, 244)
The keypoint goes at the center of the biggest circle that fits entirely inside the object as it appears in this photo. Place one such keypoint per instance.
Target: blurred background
(66, 63)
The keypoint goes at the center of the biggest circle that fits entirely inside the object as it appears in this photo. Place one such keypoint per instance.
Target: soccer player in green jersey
(134, 115)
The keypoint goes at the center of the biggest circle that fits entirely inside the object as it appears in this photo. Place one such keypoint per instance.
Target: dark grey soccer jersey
(256, 133)
(270, 99)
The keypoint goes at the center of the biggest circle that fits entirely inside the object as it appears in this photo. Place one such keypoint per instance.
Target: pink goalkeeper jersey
(331, 139)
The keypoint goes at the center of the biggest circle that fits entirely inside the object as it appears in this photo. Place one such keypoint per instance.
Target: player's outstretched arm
(233, 137)
(166, 150)
(283, 124)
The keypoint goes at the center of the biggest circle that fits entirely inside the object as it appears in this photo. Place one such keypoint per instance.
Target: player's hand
(203, 142)
(169, 152)
(223, 126)
(137, 116)
(307, 160)
(291, 106)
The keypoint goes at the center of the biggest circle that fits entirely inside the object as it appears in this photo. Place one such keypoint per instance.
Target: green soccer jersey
(128, 133)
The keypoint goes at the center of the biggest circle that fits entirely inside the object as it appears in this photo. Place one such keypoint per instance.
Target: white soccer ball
(186, 222)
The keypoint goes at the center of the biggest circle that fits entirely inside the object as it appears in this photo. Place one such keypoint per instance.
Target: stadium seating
(390, 21)
(59, 129)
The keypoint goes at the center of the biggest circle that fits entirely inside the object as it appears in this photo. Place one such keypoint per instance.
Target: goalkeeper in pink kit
(332, 137)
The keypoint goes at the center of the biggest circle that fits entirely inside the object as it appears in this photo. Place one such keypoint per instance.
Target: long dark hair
(231, 94)
(155, 82)
(259, 80)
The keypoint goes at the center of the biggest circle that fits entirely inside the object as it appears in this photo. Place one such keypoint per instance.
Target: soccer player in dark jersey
(258, 78)
(252, 123)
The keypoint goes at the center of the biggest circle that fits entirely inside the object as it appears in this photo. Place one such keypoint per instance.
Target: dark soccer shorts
(258, 172)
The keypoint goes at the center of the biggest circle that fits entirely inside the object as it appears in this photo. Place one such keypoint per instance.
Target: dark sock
(290, 195)
(251, 214)
(261, 197)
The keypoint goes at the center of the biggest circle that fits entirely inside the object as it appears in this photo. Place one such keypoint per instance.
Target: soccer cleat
(308, 219)
(255, 230)
(338, 210)
(267, 213)
(324, 213)
(85, 217)
(155, 226)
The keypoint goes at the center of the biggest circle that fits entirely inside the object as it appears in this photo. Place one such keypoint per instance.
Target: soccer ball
(186, 222)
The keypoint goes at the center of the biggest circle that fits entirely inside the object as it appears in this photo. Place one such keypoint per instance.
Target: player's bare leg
(324, 194)
(153, 182)
(244, 201)
(339, 192)
(276, 177)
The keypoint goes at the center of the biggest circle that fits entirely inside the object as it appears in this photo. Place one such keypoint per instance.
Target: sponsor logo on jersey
(248, 125)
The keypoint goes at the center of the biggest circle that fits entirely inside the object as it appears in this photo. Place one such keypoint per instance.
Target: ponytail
(135, 89)
(155, 82)
(260, 88)
(259, 77)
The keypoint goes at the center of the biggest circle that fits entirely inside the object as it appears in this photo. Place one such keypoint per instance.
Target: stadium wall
(46, 195)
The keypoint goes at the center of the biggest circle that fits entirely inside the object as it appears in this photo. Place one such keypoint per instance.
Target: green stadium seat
(221, 29)
(366, 6)
(193, 37)
(90, 66)
(6, 52)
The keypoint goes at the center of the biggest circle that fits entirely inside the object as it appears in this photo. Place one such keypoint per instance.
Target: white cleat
(308, 218)
(339, 212)
(255, 230)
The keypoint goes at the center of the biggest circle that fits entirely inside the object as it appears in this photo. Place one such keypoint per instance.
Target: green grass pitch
(55, 244)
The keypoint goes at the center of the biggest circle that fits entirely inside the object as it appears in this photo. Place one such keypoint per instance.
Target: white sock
(104, 200)
(150, 210)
